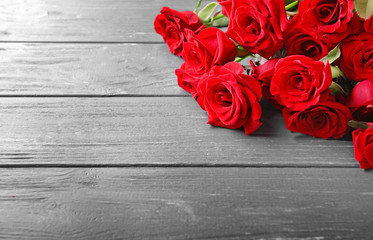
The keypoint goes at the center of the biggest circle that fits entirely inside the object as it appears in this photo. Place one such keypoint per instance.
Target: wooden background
(98, 141)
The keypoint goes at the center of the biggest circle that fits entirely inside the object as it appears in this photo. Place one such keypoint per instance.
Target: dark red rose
(171, 25)
(363, 146)
(356, 59)
(210, 47)
(360, 101)
(226, 6)
(299, 82)
(258, 25)
(325, 120)
(300, 40)
(230, 97)
(356, 25)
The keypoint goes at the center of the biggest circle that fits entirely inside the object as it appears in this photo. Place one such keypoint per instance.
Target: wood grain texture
(187, 203)
(83, 20)
(157, 130)
(86, 69)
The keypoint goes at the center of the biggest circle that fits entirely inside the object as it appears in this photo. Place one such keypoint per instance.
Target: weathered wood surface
(186, 203)
(83, 20)
(87, 69)
(156, 130)
(60, 63)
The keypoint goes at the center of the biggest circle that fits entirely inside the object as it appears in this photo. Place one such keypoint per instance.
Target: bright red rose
(258, 25)
(230, 98)
(356, 59)
(226, 6)
(360, 101)
(363, 146)
(327, 16)
(325, 120)
(320, 25)
(299, 82)
(171, 25)
(300, 40)
(210, 47)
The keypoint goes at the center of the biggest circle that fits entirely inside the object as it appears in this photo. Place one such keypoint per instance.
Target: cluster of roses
(315, 65)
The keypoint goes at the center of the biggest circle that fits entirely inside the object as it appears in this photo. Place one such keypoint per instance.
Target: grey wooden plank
(83, 20)
(86, 69)
(186, 203)
(155, 130)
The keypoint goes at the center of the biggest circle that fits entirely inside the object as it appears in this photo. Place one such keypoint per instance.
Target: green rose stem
(291, 5)
(356, 124)
(198, 5)
(241, 52)
(219, 20)
(218, 16)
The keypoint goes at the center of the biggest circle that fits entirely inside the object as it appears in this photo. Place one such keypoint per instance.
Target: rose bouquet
(312, 59)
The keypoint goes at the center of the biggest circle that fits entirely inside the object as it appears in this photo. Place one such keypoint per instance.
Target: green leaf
(333, 55)
(207, 11)
(337, 89)
(336, 72)
(220, 22)
(364, 8)
(356, 124)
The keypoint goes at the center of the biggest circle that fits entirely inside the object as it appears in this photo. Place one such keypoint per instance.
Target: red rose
(210, 47)
(319, 26)
(171, 25)
(258, 25)
(356, 59)
(264, 73)
(226, 6)
(324, 120)
(230, 97)
(363, 146)
(300, 40)
(360, 101)
(327, 16)
(300, 82)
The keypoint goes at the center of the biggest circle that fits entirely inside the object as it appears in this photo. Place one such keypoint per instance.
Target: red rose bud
(264, 73)
(210, 47)
(363, 146)
(299, 82)
(230, 98)
(170, 24)
(258, 25)
(324, 120)
(356, 60)
(360, 101)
